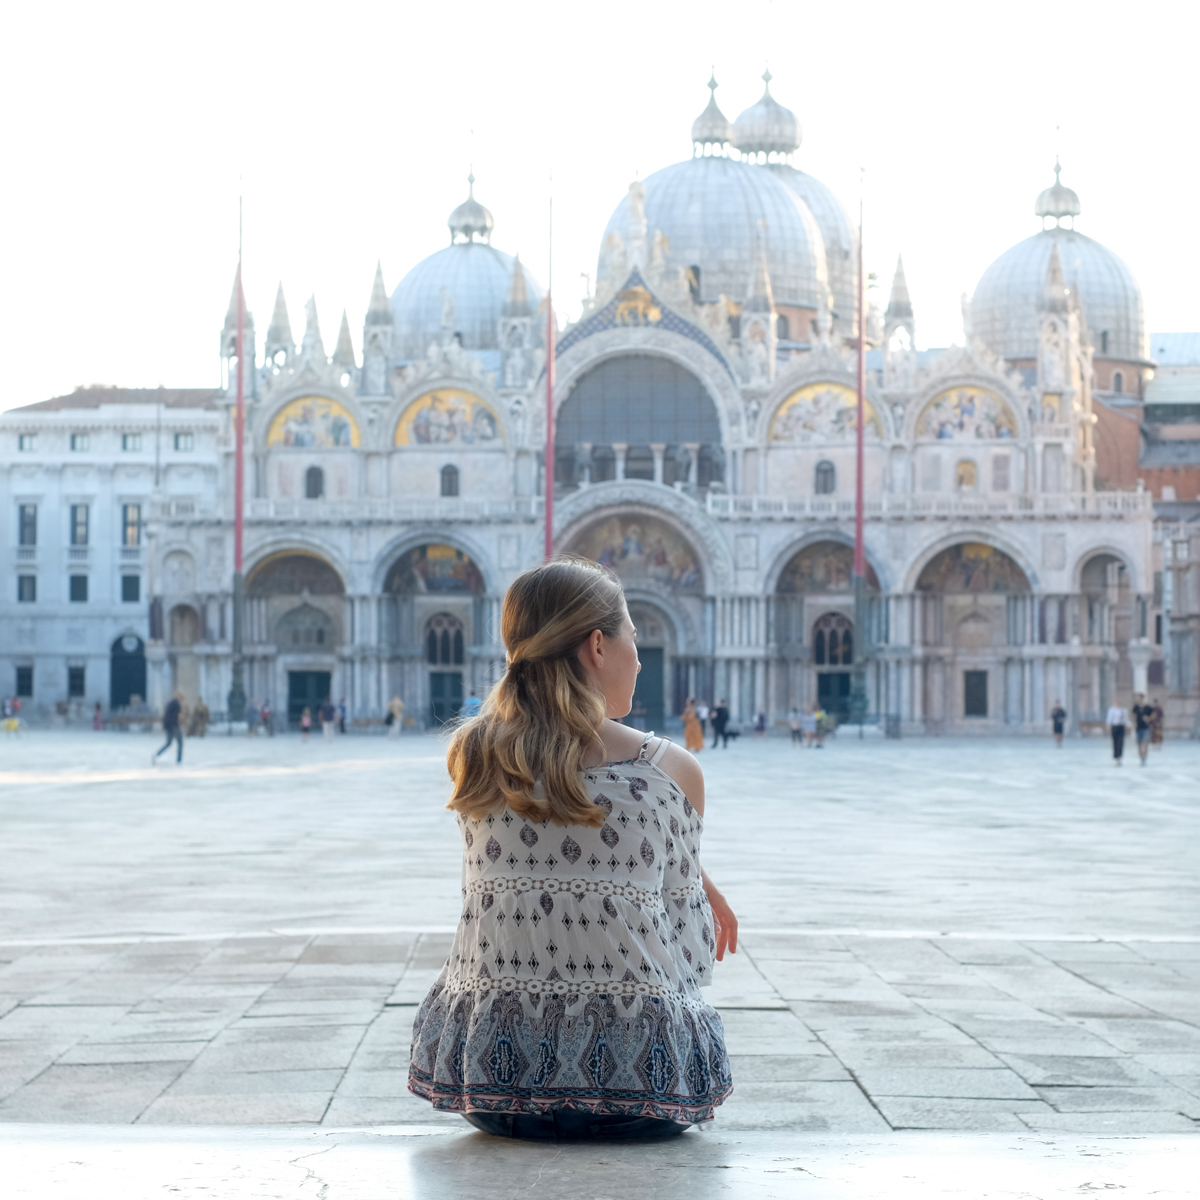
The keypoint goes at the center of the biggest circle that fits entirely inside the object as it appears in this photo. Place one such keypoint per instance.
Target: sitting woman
(570, 1005)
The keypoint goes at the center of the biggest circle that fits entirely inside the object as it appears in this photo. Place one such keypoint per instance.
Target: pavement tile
(1117, 1099)
(787, 1068)
(808, 1105)
(200, 1080)
(373, 1083)
(114, 1092)
(1163, 1064)
(405, 1109)
(293, 1108)
(1145, 1035)
(928, 1054)
(1110, 1124)
(974, 1083)
(1074, 1070)
(998, 1116)
(89, 1053)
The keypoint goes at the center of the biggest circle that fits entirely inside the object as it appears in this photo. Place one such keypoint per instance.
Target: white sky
(351, 127)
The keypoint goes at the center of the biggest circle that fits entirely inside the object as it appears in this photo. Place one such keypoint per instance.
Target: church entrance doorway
(127, 678)
(307, 689)
(445, 695)
(833, 693)
(647, 711)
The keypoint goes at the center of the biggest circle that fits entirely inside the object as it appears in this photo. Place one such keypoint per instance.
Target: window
(131, 589)
(76, 682)
(185, 441)
(24, 681)
(131, 441)
(27, 589)
(26, 442)
(449, 481)
(1158, 629)
(1118, 382)
(79, 524)
(79, 589)
(966, 476)
(783, 328)
(314, 483)
(975, 694)
(819, 648)
(79, 442)
(825, 480)
(1000, 472)
(131, 524)
(27, 525)
(444, 640)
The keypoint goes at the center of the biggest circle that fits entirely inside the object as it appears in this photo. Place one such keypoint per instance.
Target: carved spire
(279, 333)
(312, 346)
(762, 298)
(899, 305)
(379, 311)
(517, 302)
(343, 355)
(1056, 297)
(712, 127)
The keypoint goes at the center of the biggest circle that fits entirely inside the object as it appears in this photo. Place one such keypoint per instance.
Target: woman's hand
(726, 922)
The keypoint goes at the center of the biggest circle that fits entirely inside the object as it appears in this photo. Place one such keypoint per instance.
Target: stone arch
(444, 640)
(968, 567)
(292, 572)
(399, 546)
(1108, 552)
(821, 412)
(183, 626)
(449, 415)
(305, 629)
(820, 538)
(644, 549)
(434, 568)
(311, 419)
(976, 537)
(923, 419)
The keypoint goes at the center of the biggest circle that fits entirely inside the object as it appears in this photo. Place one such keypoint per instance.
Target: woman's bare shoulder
(682, 767)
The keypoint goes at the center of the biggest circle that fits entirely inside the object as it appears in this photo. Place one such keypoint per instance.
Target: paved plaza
(984, 937)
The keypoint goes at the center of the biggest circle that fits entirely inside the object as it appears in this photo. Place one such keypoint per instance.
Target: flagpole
(237, 691)
(548, 453)
(858, 682)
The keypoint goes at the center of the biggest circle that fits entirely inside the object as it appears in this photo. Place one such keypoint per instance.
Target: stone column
(1141, 651)
(693, 449)
(619, 449)
(586, 463)
(658, 449)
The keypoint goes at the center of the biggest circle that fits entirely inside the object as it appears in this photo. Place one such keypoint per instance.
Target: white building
(705, 449)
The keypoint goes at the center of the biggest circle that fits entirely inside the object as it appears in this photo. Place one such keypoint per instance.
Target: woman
(305, 724)
(693, 731)
(570, 1005)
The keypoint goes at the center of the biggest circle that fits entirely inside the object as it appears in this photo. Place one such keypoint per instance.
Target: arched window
(314, 483)
(444, 640)
(966, 476)
(449, 480)
(1118, 382)
(833, 641)
(819, 648)
(825, 478)
(847, 647)
(783, 328)
(835, 648)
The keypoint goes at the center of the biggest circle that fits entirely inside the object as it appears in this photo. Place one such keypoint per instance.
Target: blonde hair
(542, 718)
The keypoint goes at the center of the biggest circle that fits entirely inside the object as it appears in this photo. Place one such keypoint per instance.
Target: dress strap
(663, 743)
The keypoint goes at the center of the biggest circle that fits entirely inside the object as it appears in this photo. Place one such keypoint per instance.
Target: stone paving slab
(441, 1163)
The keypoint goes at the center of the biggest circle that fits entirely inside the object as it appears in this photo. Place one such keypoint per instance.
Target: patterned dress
(574, 979)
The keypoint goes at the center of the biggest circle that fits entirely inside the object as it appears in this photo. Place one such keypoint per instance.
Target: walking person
(1116, 720)
(328, 717)
(797, 729)
(581, 841)
(341, 716)
(1142, 715)
(1156, 725)
(97, 717)
(720, 723)
(809, 724)
(172, 716)
(265, 714)
(702, 717)
(252, 718)
(693, 733)
(1058, 715)
(395, 716)
(305, 724)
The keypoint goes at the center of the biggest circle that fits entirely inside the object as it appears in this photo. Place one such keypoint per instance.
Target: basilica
(704, 450)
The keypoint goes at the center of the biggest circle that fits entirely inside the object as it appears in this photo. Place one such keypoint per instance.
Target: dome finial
(470, 217)
(767, 77)
(767, 128)
(711, 130)
(1057, 201)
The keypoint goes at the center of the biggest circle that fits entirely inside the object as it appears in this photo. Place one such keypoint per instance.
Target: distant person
(796, 728)
(328, 718)
(305, 724)
(395, 716)
(200, 718)
(341, 716)
(252, 718)
(97, 717)
(1142, 714)
(720, 724)
(471, 706)
(693, 733)
(1058, 715)
(1116, 719)
(822, 726)
(172, 716)
(702, 716)
(266, 714)
(808, 723)
(760, 725)
(1156, 724)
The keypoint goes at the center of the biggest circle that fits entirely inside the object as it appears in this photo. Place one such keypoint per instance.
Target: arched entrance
(127, 672)
(183, 624)
(435, 613)
(1105, 627)
(973, 597)
(295, 602)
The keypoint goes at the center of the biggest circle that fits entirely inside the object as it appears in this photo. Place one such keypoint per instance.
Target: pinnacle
(343, 355)
(379, 310)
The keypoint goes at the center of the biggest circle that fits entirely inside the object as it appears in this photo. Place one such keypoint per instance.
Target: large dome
(709, 209)
(837, 232)
(1004, 309)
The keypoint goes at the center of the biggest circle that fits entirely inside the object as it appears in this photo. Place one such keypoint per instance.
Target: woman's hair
(542, 718)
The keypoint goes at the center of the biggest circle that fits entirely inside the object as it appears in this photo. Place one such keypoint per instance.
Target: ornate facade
(705, 450)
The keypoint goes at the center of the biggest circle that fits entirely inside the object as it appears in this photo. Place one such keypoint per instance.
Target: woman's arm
(727, 926)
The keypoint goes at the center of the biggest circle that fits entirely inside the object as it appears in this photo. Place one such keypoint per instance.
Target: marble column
(658, 449)
(619, 449)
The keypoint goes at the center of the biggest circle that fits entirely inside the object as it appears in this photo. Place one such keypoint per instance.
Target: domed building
(706, 421)
(1004, 308)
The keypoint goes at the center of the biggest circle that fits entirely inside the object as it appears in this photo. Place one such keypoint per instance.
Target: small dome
(767, 127)
(709, 209)
(1057, 201)
(711, 127)
(470, 217)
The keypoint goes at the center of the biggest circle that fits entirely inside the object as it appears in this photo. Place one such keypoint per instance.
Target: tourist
(693, 733)
(760, 725)
(1142, 714)
(171, 723)
(702, 717)
(720, 724)
(1058, 716)
(328, 718)
(471, 706)
(1156, 725)
(821, 724)
(341, 716)
(97, 717)
(252, 718)
(809, 724)
(796, 728)
(1116, 720)
(305, 724)
(200, 719)
(580, 850)
(265, 714)
(395, 716)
